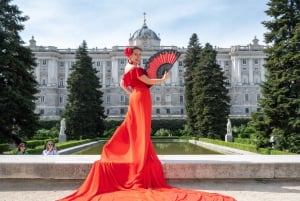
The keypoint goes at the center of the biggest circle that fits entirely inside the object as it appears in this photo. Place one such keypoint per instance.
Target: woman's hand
(126, 89)
(149, 81)
(165, 76)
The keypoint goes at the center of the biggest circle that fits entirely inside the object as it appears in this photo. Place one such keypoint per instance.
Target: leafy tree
(17, 82)
(210, 96)
(84, 112)
(280, 105)
(190, 62)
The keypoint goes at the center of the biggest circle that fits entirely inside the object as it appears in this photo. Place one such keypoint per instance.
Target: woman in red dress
(129, 169)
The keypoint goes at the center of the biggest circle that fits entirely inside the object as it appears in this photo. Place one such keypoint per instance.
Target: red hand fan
(160, 62)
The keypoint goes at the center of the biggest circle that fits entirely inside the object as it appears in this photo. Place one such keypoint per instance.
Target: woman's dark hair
(136, 48)
(20, 145)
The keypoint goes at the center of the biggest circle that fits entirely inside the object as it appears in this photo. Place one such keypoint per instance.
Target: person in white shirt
(50, 149)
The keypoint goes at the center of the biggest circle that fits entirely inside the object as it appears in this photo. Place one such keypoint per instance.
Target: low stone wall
(175, 166)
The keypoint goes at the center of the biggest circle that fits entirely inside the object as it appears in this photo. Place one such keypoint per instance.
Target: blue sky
(107, 23)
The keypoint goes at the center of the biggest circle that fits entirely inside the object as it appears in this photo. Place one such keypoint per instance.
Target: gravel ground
(242, 190)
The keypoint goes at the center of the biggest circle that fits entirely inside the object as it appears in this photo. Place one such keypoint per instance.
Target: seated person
(50, 149)
(22, 149)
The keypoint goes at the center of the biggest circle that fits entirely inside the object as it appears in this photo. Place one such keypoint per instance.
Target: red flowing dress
(129, 169)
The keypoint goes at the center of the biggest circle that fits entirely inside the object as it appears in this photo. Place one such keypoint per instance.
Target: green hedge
(243, 140)
(239, 121)
(31, 144)
(3, 148)
(170, 124)
(245, 147)
(174, 125)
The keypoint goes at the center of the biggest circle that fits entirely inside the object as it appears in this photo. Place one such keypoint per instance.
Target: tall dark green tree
(280, 105)
(190, 62)
(211, 100)
(17, 82)
(84, 112)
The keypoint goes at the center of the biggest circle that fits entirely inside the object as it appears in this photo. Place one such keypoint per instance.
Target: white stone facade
(243, 66)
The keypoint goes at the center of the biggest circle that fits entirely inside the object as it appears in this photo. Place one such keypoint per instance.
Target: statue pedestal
(228, 138)
(62, 137)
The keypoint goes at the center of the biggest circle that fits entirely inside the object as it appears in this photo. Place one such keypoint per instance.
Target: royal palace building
(242, 66)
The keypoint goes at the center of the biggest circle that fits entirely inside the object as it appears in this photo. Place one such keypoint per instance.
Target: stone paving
(242, 190)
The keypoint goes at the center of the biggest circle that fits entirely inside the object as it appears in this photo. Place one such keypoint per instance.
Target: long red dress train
(129, 169)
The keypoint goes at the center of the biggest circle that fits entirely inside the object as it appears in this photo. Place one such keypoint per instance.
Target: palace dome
(144, 33)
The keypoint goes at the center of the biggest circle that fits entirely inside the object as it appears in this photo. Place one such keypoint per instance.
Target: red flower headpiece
(128, 51)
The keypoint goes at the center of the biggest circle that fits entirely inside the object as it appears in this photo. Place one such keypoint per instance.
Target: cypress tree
(190, 63)
(280, 104)
(211, 100)
(84, 112)
(17, 82)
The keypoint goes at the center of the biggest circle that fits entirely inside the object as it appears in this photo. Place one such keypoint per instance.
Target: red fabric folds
(129, 169)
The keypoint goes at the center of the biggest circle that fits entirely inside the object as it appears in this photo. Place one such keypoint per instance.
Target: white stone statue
(62, 136)
(62, 126)
(272, 141)
(228, 136)
(229, 129)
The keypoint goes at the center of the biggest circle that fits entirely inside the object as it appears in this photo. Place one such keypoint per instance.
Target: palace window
(181, 99)
(256, 80)
(257, 97)
(107, 99)
(44, 62)
(61, 83)
(246, 97)
(122, 111)
(247, 110)
(44, 82)
(168, 98)
(157, 98)
(122, 98)
(245, 80)
(122, 61)
(181, 83)
(108, 63)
